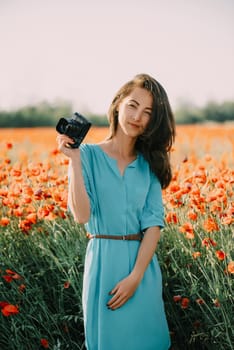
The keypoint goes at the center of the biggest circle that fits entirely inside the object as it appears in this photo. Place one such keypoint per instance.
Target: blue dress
(120, 205)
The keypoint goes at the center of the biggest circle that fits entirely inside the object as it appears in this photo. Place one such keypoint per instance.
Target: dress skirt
(140, 324)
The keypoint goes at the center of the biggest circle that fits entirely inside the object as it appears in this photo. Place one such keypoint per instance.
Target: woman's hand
(123, 291)
(63, 141)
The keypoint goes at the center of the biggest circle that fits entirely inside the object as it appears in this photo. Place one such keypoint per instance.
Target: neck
(124, 146)
(124, 149)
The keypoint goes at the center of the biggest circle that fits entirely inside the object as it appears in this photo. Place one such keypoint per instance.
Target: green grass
(204, 324)
(46, 261)
(50, 258)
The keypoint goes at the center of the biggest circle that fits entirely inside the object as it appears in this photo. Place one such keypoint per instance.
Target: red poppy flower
(3, 192)
(9, 145)
(174, 187)
(16, 172)
(172, 218)
(4, 221)
(64, 161)
(28, 190)
(196, 255)
(7, 160)
(184, 303)
(210, 225)
(177, 298)
(18, 212)
(9, 310)
(44, 343)
(227, 220)
(208, 242)
(54, 152)
(22, 288)
(13, 275)
(187, 229)
(66, 285)
(192, 215)
(220, 254)
(32, 218)
(8, 278)
(25, 225)
(230, 267)
(3, 304)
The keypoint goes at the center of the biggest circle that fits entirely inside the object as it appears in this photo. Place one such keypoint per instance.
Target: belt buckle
(123, 238)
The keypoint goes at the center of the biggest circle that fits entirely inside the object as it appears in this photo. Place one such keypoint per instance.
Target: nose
(136, 116)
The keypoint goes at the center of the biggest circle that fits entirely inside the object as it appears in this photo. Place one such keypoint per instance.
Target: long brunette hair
(156, 141)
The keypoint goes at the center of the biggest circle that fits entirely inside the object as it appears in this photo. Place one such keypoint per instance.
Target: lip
(134, 125)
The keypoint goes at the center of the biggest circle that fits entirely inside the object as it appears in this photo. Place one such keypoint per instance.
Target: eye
(130, 104)
(148, 113)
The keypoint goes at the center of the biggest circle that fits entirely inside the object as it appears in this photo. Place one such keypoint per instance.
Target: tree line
(48, 114)
(211, 112)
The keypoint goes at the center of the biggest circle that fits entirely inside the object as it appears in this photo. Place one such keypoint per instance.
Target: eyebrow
(132, 99)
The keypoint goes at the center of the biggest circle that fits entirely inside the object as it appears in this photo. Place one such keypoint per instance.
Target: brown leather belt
(130, 237)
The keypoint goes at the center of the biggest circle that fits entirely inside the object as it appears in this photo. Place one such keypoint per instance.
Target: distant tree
(219, 112)
(189, 114)
(42, 114)
(98, 120)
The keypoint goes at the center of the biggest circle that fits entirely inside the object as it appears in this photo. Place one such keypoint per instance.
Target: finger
(116, 298)
(113, 291)
(113, 299)
(118, 303)
(64, 144)
(62, 137)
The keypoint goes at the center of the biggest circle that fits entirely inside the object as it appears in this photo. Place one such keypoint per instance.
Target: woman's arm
(146, 251)
(78, 200)
(127, 287)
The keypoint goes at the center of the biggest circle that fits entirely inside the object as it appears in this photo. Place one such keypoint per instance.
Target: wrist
(137, 276)
(75, 156)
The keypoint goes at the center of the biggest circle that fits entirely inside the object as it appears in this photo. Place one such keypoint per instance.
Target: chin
(134, 132)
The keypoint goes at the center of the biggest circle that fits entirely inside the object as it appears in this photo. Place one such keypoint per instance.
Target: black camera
(75, 127)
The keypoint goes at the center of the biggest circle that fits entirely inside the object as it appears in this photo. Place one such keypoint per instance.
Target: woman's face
(135, 111)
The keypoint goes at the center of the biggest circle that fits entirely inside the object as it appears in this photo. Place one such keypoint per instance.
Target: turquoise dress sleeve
(153, 211)
(87, 171)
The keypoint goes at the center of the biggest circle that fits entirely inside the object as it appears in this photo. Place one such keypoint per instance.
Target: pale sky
(84, 50)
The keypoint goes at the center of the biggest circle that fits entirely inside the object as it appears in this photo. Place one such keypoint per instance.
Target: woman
(115, 190)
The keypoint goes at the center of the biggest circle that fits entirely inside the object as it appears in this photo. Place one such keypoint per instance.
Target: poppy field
(42, 249)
